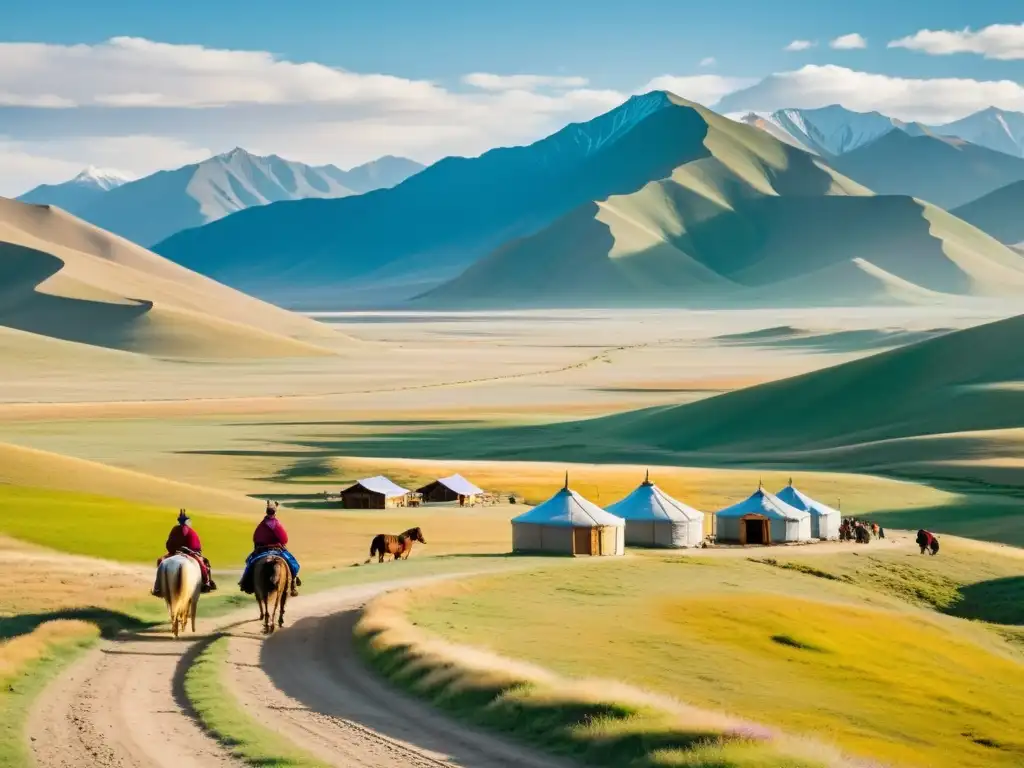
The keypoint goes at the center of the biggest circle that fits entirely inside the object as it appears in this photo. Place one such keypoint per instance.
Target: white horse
(180, 581)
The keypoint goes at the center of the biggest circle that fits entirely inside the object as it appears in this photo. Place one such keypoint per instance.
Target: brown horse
(398, 546)
(272, 581)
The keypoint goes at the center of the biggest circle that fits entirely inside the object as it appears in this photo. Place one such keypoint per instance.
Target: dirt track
(123, 704)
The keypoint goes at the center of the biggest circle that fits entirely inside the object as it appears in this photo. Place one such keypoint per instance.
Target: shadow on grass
(998, 601)
(109, 623)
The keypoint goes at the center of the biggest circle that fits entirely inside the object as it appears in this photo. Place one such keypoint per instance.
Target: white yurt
(762, 519)
(655, 519)
(824, 520)
(569, 524)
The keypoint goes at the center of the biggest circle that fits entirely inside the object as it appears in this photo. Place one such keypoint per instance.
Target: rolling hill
(745, 219)
(155, 207)
(77, 194)
(68, 280)
(945, 171)
(999, 213)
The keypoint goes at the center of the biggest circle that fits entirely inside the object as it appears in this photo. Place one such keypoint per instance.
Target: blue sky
(615, 43)
(140, 86)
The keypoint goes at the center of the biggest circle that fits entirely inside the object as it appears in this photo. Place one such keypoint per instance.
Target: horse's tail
(377, 545)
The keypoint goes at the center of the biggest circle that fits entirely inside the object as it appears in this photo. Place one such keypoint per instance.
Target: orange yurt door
(582, 541)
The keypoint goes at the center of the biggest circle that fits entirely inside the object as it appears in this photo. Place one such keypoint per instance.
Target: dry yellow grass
(41, 469)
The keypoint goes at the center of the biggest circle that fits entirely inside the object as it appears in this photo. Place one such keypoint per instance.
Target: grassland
(603, 725)
(860, 658)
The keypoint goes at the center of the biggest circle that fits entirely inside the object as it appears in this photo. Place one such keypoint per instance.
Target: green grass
(252, 742)
(860, 650)
(110, 528)
(19, 688)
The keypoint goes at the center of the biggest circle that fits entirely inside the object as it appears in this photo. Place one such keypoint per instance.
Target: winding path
(123, 704)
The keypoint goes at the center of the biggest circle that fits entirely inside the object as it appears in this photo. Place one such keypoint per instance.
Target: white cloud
(708, 61)
(998, 41)
(489, 82)
(849, 42)
(128, 71)
(799, 45)
(703, 89)
(932, 101)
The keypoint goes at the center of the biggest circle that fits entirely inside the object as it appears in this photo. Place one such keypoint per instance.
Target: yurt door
(583, 541)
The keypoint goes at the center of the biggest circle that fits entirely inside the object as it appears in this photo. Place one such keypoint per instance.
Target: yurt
(763, 519)
(569, 524)
(824, 520)
(655, 519)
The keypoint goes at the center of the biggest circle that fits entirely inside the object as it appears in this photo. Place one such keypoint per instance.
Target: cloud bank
(998, 41)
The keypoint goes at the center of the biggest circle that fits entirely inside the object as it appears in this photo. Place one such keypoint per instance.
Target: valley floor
(97, 455)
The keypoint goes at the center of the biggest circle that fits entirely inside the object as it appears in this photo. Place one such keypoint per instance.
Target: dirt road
(123, 704)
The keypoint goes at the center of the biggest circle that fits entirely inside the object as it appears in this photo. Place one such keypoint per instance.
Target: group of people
(269, 536)
(861, 531)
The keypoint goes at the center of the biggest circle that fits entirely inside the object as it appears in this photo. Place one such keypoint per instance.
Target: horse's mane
(410, 534)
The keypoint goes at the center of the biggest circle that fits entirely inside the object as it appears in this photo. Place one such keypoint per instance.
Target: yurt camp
(569, 524)
(762, 519)
(824, 520)
(452, 488)
(374, 493)
(655, 519)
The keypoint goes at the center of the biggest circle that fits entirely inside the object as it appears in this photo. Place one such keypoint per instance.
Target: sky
(139, 87)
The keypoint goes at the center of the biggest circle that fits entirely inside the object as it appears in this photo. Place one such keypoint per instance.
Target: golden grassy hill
(65, 279)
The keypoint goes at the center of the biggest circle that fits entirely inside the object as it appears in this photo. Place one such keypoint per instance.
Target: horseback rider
(184, 537)
(270, 534)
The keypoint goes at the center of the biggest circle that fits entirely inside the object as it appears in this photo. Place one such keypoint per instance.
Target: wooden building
(375, 493)
(452, 488)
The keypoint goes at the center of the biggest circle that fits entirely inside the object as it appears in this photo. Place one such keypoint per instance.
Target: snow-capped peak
(102, 178)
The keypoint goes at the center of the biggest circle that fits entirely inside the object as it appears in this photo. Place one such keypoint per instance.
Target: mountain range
(657, 201)
(153, 208)
(835, 130)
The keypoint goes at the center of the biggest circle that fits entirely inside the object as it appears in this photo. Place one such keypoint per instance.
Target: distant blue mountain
(432, 225)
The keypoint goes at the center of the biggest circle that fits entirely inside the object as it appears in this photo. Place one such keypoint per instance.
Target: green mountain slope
(999, 213)
(945, 171)
(750, 221)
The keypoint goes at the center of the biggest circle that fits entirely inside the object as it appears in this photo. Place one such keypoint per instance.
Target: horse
(398, 546)
(271, 579)
(181, 581)
(863, 535)
(927, 541)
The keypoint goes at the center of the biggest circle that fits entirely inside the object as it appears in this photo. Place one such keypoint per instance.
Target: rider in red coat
(270, 534)
(184, 536)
